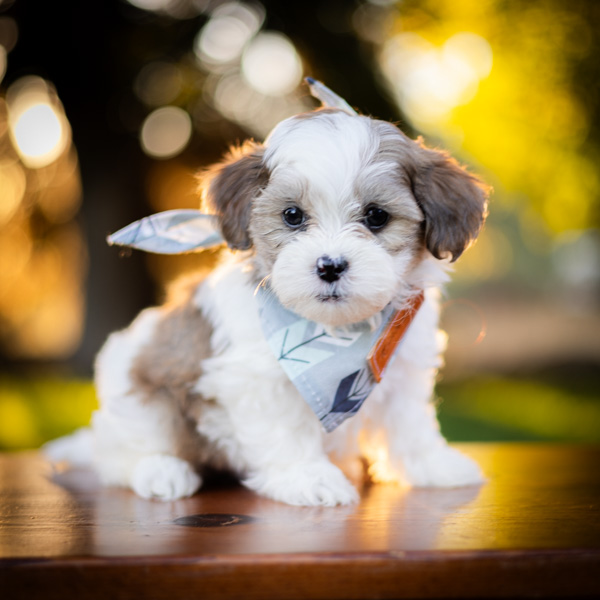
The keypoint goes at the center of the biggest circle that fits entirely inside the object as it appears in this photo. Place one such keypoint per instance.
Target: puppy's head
(339, 209)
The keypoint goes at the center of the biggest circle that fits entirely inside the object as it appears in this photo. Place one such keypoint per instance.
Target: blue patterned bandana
(331, 373)
(334, 373)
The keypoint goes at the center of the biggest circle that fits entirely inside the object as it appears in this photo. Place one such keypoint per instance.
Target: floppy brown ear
(453, 200)
(229, 187)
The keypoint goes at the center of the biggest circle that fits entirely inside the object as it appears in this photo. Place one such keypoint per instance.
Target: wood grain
(532, 530)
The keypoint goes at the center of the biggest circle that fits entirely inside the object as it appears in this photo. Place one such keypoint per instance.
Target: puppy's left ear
(229, 187)
(453, 200)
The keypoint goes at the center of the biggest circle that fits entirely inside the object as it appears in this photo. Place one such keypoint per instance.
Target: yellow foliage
(526, 122)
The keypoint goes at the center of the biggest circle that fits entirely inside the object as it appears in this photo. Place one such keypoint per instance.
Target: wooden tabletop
(533, 530)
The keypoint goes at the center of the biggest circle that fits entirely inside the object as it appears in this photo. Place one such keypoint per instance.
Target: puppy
(339, 216)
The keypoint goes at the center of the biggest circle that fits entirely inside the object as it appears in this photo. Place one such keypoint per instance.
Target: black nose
(330, 269)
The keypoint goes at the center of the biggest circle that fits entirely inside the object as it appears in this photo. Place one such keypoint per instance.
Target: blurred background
(107, 109)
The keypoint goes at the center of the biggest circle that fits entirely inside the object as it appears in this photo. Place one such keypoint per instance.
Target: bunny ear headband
(188, 230)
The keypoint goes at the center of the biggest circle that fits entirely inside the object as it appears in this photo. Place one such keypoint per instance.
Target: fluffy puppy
(342, 215)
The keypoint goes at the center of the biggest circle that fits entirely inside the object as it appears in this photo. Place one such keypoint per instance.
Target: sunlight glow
(431, 81)
(374, 449)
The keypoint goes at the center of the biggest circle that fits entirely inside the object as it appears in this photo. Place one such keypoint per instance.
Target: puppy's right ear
(229, 187)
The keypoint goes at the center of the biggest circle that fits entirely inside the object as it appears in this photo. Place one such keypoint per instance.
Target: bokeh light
(166, 132)
(271, 64)
(38, 127)
(151, 4)
(39, 135)
(177, 9)
(222, 40)
(257, 113)
(42, 250)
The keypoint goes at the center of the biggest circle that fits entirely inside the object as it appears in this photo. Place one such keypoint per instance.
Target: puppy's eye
(375, 218)
(294, 217)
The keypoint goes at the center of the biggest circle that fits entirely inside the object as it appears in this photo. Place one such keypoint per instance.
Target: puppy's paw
(442, 466)
(164, 477)
(316, 483)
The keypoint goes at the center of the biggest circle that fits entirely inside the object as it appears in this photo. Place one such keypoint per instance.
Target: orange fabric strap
(383, 349)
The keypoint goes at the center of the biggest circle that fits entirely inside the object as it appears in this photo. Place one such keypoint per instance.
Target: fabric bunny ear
(170, 232)
(328, 98)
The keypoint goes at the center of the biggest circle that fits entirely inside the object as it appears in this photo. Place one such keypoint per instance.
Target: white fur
(164, 477)
(371, 283)
(255, 422)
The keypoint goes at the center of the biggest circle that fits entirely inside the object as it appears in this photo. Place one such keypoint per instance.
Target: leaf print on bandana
(295, 348)
(352, 392)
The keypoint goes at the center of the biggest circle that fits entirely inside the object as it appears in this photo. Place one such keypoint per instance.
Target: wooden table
(532, 531)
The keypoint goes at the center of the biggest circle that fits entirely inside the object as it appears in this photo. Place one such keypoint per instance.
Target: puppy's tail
(75, 449)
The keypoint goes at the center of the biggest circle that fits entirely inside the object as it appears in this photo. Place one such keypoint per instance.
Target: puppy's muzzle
(331, 269)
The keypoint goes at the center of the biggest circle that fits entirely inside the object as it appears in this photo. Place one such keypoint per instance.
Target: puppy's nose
(330, 269)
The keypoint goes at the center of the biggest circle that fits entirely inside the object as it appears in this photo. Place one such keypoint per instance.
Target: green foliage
(494, 409)
(33, 411)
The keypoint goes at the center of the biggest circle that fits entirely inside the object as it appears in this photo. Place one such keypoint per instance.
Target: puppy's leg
(416, 449)
(269, 434)
(401, 413)
(137, 438)
(142, 454)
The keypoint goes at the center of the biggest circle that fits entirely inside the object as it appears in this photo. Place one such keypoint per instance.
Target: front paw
(316, 483)
(164, 477)
(442, 466)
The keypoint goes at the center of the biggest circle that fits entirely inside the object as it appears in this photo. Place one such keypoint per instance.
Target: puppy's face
(339, 209)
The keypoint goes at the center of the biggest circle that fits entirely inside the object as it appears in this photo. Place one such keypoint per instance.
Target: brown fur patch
(453, 200)
(169, 366)
(171, 361)
(267, 228)
(229, 187)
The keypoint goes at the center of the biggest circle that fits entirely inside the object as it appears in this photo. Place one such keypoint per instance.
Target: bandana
(334, 372)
